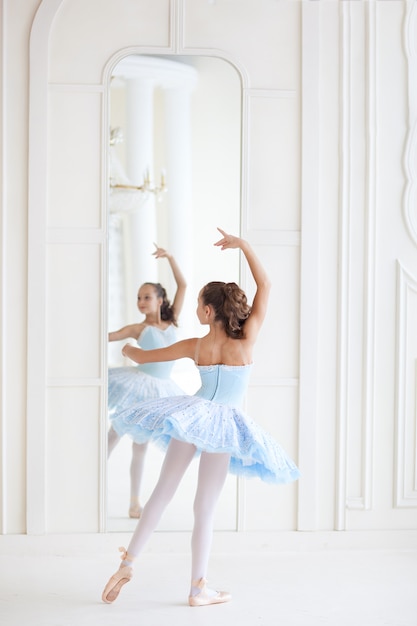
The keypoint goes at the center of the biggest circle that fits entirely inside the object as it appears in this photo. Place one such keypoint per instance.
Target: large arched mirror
(174, 176)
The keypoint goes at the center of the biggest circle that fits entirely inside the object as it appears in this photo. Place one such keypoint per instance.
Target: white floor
(294, 579)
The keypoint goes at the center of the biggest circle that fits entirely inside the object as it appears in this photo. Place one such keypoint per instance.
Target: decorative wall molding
(410, 152)
(3, 248)
(344, 245)
(308, 453)
(37, 202)
(406, 390)
(349, 294)
(370, 258)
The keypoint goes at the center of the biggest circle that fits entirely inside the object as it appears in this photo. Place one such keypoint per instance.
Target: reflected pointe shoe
(123, 575)
(135, 511)
(204, 598)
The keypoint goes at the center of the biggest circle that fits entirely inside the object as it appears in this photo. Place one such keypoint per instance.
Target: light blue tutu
(130, 385)
(213, 421)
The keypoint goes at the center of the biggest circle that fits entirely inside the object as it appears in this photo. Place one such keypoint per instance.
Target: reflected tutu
(128, 386)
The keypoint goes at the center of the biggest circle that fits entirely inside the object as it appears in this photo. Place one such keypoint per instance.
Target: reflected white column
(141, 224)
(178, 152)
(143, 74)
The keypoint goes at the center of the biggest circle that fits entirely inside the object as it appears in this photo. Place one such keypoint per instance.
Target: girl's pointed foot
(135, 511)
(116, 582)
(123, 575)
(204, 597)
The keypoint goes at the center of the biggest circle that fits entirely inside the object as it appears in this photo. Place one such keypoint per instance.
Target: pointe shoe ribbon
(125, 556)
(204, 598)
(123, 575)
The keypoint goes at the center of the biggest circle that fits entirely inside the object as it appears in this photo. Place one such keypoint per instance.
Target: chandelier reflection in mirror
(124, 195)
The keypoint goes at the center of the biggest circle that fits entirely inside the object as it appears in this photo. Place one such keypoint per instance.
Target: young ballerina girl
(210, 423)
(127, 386)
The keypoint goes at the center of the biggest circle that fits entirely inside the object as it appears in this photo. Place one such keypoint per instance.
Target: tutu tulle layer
(211, 427)
(128, 386)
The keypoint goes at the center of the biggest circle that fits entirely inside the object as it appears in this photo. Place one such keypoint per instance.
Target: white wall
(328, 182)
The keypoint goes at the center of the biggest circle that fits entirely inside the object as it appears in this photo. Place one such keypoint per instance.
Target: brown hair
(167, 310)
(230, 306)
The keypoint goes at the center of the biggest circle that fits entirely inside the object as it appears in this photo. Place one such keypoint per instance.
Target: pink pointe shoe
(123, 575)
(204, 598)
(135, 511)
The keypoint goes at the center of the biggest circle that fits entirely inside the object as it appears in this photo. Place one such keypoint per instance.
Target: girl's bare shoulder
(137, 329)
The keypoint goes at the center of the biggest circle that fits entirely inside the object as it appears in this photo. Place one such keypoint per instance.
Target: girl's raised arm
(263, 284)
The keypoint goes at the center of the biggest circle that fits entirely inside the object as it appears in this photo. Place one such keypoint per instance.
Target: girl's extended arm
(130, 331)
(263, 284)
(178, 300)
(179, 350)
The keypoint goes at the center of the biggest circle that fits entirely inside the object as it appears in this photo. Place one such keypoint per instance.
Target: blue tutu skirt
(211, 427)
(128, 386)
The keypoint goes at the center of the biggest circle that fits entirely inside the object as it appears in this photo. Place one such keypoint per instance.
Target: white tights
(136, 465)
(212, 473)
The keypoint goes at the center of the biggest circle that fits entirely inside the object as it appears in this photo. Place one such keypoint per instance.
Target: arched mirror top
(159, 71)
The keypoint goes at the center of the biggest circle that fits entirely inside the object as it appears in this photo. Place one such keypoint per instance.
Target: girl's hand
(228, 241)
(126, 347)
(134, 353)
(160, 253)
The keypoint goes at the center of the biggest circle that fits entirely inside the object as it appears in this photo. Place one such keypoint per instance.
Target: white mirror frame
(37, 200)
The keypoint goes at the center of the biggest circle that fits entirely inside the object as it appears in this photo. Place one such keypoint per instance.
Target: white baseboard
(223, 542)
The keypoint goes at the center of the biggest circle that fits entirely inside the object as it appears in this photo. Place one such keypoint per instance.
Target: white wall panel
(263, 36)
(75, 149)
(410, 156)
(406, 390)
(273, 507)
(326, 172)
(72, 459)
(277, 351)
(357, 263)
(273, 160)
(376, 392)
(84, 36)
(74, 310)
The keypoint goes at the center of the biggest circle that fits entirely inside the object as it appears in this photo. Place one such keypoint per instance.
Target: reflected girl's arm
(179, 296)
(131, 331)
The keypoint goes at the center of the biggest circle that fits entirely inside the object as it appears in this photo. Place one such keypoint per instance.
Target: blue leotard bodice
(225, 384)
(136, 383)
(152, 338)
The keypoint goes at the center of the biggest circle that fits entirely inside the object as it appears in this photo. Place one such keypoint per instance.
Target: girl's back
(217, 348)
